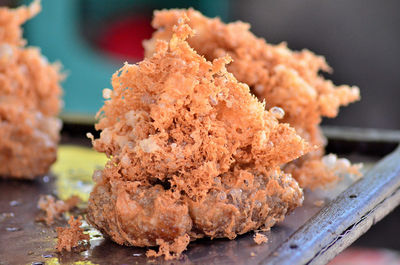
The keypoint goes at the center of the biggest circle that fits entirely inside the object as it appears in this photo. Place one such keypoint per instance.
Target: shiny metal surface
(347, 217)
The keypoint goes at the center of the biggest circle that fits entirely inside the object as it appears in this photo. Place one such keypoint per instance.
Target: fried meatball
(276, 75)
(191, 153)
(29, 101)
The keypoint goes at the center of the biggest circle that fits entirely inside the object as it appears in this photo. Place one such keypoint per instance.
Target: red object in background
(123, 38)
(365, 256)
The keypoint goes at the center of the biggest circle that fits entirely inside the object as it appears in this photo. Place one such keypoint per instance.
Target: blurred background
(360, 40)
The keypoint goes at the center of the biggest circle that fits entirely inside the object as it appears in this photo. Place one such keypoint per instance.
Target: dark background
(359, 38)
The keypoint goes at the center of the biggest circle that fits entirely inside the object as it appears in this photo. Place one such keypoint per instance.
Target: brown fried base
(137, 215)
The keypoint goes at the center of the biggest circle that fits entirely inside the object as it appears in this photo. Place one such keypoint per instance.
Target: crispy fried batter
(313, 172)
(260, 238)
(283, 78)
(70, 237)
(11, 21)
(29, 100)
(319, 203)
(55, 208)
(192, 153)
(177, 247)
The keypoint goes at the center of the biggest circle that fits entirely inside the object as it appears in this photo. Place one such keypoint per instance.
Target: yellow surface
(55, 261)
(74, 169)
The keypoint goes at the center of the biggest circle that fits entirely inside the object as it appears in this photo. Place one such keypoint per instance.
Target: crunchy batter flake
(177, 247)
(71, 237)
(191, 153)
(319, 203)
(29, 100)
(55, 208)
(283, 78)
(260, 238)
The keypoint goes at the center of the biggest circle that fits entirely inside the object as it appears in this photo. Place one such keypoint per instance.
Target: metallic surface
(346, 218)
(312, 234)
(367, 134)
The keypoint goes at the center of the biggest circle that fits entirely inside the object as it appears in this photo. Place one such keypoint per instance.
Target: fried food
(191, 153)
(177, 247)
(55, 208)
(276, 75)
(315, 171)
(71, 237)
(29, 100)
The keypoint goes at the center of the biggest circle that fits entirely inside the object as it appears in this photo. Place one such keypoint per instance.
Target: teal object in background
(57, 30)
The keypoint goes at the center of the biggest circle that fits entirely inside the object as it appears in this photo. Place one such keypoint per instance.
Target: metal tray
(310, 235)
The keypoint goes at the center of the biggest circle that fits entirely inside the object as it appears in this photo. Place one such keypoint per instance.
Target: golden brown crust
(192, 154)
(29, 101)
(71, 237)
(283, 78)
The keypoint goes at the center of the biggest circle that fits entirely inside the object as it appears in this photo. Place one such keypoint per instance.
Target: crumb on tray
(176, 248)
(71, 237)
(319, 203)
(55, 208)
(260, 238)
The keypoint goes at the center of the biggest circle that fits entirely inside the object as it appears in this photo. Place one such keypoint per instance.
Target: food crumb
(30, 99)
(275, 254)
(260, 238)
(70, 237)
(165, 248)
(253, 254)
(55, 208)
(319, 203)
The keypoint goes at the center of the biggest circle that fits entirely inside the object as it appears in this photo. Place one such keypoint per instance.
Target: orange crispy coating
(70, 237)
(312, 172)
(260, 238)
(55, 208)
(11, 21)
(177, 247)
(29, 100)
(283, 78)
(192, 153)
